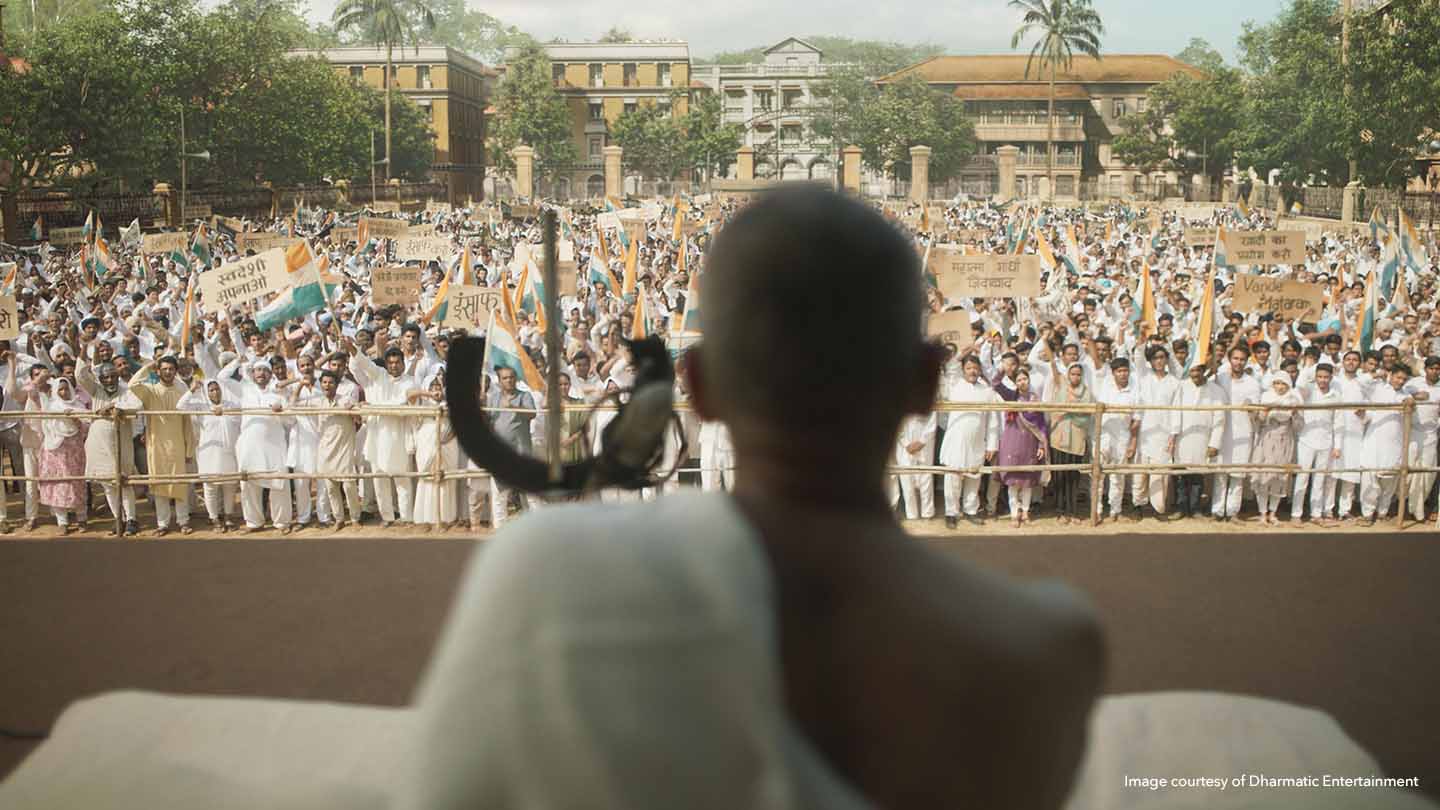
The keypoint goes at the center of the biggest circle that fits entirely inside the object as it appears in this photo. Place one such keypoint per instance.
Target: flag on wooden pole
(1205, 328)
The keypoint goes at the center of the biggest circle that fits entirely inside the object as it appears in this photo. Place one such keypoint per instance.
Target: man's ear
(922, 389)
(694, 381)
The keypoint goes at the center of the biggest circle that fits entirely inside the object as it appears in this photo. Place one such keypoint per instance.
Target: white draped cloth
(262, 446)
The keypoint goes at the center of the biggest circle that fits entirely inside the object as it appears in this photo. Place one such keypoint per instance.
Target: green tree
(1064, 27)
(653, 140)
(616, 34)
(1296, 118)
(1144, 140)
(389, 23)
(711, 142)
(1201, 54)
(531, 111)
(844, 107)
(1193, 125)
(912, 113)
(473, 31)
(1395, 88)
(874, 57)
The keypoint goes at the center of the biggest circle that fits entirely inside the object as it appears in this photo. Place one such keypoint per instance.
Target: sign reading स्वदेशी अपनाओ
(244, 279)
(987, 275)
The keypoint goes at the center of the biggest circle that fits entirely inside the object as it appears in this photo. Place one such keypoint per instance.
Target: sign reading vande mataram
(1288, 300)
(250, 277)
(985, 275)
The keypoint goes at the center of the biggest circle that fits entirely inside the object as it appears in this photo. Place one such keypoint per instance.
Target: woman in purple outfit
(1022, 441)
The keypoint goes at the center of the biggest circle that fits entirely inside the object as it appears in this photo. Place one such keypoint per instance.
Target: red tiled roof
(1008, 91)
(1152, 68)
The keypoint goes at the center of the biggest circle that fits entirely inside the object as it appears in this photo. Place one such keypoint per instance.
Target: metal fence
(1096, 468)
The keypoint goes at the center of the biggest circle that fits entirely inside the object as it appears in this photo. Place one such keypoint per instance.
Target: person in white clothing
(388, 440)
(916, 447)
(1119, 430)
(1199, 434)
(1239, 384)
(1158, 429)
(218, 436)
(1424, 434)
(972, 438)
(262, 449)
(1318, 447)
(717, 466)
(1383, 447)
(1354, 386)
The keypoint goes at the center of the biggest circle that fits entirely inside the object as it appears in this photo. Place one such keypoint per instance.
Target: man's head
(329, 383)
(1432, 369)
(1238, 357)
(828, 279)
(1324, 373)
(213, 391)
(167, 367)
(582, 365)
(507, 380)
(394, 361)
(108, 377)
(1351, 362)
(260, 373)
(1197, 373)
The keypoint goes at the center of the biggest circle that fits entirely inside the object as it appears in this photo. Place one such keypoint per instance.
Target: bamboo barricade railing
(1096, 466)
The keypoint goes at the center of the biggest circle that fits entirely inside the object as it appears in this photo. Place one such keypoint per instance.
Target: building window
(790, 99)
(790, 134)
(1140, 104)
(557, 72)
(597, 76)
(792, 61)
(1119, 111)
(597, 111)
(422, 77)
(734, 101)
(664, 74)
(628, 72)
(597, 142)
(357, 73)
(629, 107)
(764, 100)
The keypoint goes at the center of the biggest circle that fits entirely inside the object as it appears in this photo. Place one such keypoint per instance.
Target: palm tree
(388, 23)
(1064, 26)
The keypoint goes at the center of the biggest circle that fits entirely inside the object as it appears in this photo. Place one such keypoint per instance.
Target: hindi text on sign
(985, 275)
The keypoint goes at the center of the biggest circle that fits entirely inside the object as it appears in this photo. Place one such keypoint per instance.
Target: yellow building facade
(450, 86)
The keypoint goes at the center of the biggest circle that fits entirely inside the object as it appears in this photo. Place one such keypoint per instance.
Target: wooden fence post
(119, 473)
(1097, 481)
(1404, 484)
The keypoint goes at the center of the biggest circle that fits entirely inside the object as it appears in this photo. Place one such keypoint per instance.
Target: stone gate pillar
(920, 174)
(1006, 156)
(524, 170)
(851, 163)
(614, 182)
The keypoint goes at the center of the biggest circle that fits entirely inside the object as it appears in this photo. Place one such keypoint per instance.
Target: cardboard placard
(951, 327)
(245, 279)
(163, 243)
(421, 230)
(196, 211)
(1200, 237)
(394, 285)
(236, 225)
(634, 229)
(522, 211)
(1264, 247)
(568, 279)
(975, 235)
(66, 236)
(690, 227)
(385, 206)
(987, 275)
(607, 219)
(344, 234)
(470, 306)
(1288, 300)
(261, 242)
(386, 228)
(423, 248)
(9, 318)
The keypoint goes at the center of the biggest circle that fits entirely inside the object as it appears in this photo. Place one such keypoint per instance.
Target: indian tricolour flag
(37, 229)
(690, 316)
(640, 324)
(530, 294)
(306, 293)
(1410, 245)
(502, 350)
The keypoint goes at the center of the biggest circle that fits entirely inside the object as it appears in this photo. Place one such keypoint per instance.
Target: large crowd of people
(105, 339)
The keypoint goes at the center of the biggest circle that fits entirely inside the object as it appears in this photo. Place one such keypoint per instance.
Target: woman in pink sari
(63, 454)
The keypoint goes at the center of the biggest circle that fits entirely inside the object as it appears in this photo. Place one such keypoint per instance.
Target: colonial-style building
(449, 86)
(1008, 108)
(602, 81)
(773, 101)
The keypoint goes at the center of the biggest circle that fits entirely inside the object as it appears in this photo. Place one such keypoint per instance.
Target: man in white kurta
(262, 450)
(717, 459)
(387, 439)
(1355, 387)
(1158, 429)
(335, 448)
(1119, 430)
(218, 436)
(1199, 433)
(1317, 447)
(971, 439)
(1239, 384)
(1423, 435)
(1383, 448)
(916, 447)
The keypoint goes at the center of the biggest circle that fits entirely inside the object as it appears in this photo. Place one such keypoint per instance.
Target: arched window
(792, 170)
(820, 170)
(595, 186)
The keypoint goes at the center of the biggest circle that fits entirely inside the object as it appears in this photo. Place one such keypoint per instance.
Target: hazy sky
(962, 26)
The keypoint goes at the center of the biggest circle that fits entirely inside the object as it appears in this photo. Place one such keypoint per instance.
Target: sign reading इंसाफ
(1264, 247)
(394, 285)
(9, 318)
(245, 279)
(469, 306)
(424, 248)
(1288, 300)
(985, 275)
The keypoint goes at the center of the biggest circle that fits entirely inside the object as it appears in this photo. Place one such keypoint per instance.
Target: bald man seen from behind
(785, 645)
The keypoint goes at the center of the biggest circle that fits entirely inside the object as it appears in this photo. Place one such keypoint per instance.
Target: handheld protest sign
(985, 276)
